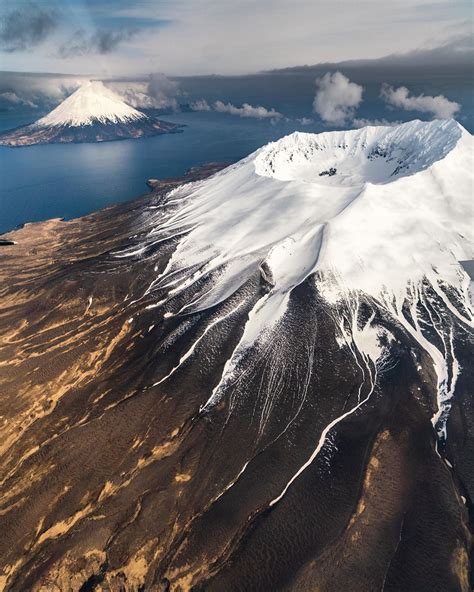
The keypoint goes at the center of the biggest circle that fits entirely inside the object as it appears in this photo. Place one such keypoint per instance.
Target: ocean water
(66, 181)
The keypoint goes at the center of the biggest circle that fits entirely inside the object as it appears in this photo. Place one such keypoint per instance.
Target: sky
(186, 37)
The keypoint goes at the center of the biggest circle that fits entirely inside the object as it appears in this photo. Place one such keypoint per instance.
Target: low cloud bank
(10, 99)
(159, 92)
(35, 91)
(439, 106)
(337, 98)
(245, 110)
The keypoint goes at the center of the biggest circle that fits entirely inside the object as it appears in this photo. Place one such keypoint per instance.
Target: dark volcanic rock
(97, 132)
(115, 476)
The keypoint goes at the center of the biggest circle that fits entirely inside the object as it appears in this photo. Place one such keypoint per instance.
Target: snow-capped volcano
(93, 113)
(378, 213)
(258, 380)
(91, 103)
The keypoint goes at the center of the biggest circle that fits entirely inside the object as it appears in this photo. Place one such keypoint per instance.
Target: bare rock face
(143, 447)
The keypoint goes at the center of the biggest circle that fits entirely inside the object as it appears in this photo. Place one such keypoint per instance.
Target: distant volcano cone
(93, 113)
(91, 103)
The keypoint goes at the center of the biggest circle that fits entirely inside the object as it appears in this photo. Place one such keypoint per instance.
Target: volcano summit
(93, 113)
(259, 380)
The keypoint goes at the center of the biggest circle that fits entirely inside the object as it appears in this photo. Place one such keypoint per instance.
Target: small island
(93, 113)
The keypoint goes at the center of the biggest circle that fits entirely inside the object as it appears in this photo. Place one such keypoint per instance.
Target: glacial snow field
(259, 380)
(392, 219)
(93, 113)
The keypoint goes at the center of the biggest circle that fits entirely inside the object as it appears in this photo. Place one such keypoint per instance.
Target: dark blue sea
(66, 181)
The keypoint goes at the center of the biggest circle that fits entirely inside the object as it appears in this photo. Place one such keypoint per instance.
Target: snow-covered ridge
(91, 103)
(368, 155)
(375, 237)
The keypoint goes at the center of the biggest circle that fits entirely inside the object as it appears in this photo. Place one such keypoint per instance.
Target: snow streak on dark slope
(256, 381)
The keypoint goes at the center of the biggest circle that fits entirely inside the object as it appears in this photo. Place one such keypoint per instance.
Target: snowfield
(398, 208)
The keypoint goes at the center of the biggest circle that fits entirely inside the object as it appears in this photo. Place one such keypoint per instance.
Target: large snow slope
(398, 208)
(381, 213)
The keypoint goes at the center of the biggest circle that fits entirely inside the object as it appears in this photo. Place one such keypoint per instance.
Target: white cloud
(365, 122)
(163, 90)
(14, 99)
(134, 94)
(247, 111)
(440, 107)
(44, 92)
(159, 92)
(337, 98)
(200, 105)
(305, 121)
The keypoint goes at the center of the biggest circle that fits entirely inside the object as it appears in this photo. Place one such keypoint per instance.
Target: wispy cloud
(29, 90)
(163, 90)
(305, 121)
(200, 105)
(247, 110)
(439, 106)
(101, 41)
(337, 98)
(357, 123)
(12, 98)
(26, 27)
(159, 92)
